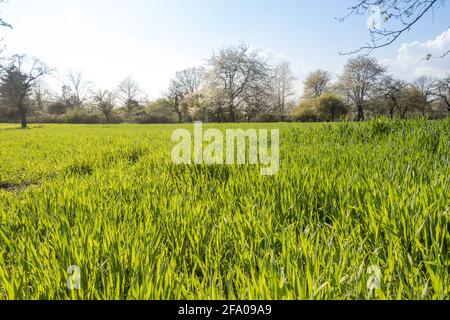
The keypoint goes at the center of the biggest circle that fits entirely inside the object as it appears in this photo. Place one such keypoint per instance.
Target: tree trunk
(232, 114)
(360, 113)
(23, 121)
(221, 115)
(448, 104)
(180, 117)
(392, 108)
(282, 110)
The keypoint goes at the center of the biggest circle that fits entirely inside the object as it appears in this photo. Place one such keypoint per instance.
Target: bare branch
(403, 15)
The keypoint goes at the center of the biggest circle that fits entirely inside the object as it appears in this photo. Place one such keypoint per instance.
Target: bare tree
(399, 16)
(190, 80)
(18, 77)
(317, 83)
(187, 84)
(392, 89)
(129, 94)
(410, 100)
(104, 102)
(175, 96)
(360, 77)
(76, 91)
(258, 100)
(424, 86)
(441, 89)
(41, 95)
(233, 71)
(282, 83)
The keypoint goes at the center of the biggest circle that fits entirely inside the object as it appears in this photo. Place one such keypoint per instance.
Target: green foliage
(83, 116)
(157, 112)
(306, 111)
(327, 107)
(357, 211)
(330, 107)
(382, 126)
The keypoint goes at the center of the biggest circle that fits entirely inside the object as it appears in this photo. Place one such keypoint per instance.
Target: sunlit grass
(348, 200)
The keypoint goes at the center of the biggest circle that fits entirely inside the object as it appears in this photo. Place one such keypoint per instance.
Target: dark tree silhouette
(18, 77)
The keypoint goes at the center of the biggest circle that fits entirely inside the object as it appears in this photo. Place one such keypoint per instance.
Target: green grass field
(356, 211)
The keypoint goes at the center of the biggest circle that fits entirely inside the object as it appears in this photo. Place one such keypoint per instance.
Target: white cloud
(268, 54)
(410, 62)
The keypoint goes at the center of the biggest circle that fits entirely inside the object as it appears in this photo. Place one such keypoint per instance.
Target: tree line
(365, 89)
(236, 84)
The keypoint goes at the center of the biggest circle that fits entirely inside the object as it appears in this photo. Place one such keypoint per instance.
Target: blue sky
(151, 39)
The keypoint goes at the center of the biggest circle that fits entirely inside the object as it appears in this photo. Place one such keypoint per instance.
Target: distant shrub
(83, 116)
(156, 112)
(146, 118)
(57, 108)
(306, 112)
(330, 107)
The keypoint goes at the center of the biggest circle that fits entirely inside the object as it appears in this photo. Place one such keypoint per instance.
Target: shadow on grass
(15, 187)
(14, 128)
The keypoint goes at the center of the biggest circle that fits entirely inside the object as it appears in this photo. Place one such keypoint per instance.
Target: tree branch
(407, 12)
